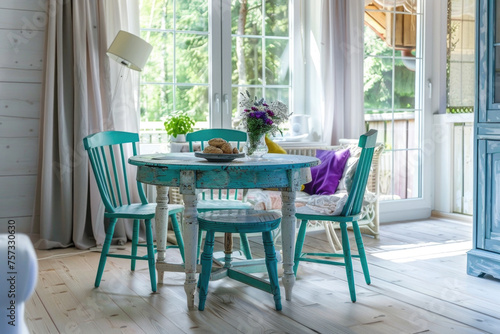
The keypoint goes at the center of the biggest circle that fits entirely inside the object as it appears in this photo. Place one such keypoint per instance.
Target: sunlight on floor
(422, 251)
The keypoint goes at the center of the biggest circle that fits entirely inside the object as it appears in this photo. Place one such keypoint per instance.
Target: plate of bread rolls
(219, 150)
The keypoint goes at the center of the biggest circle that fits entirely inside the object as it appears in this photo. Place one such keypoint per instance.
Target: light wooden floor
(419, 285)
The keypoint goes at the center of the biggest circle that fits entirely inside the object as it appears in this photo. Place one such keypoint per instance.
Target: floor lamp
(132, 52)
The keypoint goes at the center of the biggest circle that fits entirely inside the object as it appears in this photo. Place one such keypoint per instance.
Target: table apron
(289, 179)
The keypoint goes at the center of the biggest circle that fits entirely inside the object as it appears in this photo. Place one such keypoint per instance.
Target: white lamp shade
(130, 50)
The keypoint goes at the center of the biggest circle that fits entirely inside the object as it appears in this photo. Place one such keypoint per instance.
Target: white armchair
(369, 225)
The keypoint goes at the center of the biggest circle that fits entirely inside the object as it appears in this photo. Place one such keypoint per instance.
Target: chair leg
(361, 252)
(245, 246)
(206, 268)
(135, 241)
(332, 237)
(200, 238)
(298, 245)
(348, 261)
(272, 268)
(105, 251)
(178, 234)
(151, 254)
(198, 260)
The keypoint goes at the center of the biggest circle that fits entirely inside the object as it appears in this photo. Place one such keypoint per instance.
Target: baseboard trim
(452, 216)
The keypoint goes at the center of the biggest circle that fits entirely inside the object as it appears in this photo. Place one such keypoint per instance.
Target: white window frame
(219, 49)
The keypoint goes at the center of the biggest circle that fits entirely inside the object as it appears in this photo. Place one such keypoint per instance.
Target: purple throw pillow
(326, 176)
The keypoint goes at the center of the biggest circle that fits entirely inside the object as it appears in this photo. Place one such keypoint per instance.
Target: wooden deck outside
(419, 285)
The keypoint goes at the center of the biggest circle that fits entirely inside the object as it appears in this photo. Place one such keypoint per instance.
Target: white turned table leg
(190, 235)
(190, 232)
(288, 240)
(161, 227)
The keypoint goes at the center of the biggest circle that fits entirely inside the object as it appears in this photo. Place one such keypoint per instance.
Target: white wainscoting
(453, 163)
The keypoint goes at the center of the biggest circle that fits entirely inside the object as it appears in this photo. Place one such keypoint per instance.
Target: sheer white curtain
(341, 61)
(76, 101)
(124, 106)
(123, 15)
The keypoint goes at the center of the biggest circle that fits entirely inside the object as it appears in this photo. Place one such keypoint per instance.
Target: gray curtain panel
(76, 102)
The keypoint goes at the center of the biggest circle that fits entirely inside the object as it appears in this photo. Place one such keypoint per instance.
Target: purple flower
(255, 108)
(260, 114)
(247, 110)
(265, 104)
(269, 121)
(270, 112)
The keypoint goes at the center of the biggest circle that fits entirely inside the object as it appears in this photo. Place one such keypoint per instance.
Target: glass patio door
(205, 52)
(393, 92)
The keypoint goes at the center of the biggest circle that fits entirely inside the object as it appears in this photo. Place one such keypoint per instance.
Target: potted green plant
(177, 125)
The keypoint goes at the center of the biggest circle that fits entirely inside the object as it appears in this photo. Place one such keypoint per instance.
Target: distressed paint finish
(487, 130)
(178, 161)
(287, 240)
(190, 235)
(484, 258)
(488, 236)
(492, 109)
(161, 229)
(187, 188)
(184, 170)
(480, 207)
(482, 58)
(480, 263)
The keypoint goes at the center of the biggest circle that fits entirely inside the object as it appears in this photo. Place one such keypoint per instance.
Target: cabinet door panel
(494, 39)
(484, 258)
(489, 57)
(489, 195)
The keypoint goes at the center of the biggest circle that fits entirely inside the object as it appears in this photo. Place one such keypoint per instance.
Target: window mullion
(174, 40)
(226, 65)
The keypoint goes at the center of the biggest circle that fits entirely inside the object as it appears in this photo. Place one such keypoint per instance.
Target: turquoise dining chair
(107, 153)
(222, 199)
(351, 213)
(239, 221)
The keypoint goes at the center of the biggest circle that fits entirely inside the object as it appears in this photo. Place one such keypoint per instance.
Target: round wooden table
(285, 172)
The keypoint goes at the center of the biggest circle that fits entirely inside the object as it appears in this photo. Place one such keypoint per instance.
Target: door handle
(225, 101)
(217, 103)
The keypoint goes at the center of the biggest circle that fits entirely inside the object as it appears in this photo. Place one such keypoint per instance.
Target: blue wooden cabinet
(484, 258)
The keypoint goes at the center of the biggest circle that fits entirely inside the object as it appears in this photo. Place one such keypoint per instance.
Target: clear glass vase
(256, 146)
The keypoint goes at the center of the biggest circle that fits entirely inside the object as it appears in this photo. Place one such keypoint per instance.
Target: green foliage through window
(177, 75)
(379, 65)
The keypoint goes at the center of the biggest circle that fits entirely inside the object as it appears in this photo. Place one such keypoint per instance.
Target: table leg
(190, 235)
(287, 240)
(161, 227)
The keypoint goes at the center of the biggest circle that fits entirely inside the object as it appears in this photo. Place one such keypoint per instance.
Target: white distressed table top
(187, 161)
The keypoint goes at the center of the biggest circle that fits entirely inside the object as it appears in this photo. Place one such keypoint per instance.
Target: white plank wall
(22, 35)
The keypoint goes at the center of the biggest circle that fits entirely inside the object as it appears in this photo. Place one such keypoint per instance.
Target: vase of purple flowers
(256, 146)
(260, 118)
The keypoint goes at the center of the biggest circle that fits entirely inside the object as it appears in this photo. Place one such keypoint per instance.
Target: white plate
(212, 157)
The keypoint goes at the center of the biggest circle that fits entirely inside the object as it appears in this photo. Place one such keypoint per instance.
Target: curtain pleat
(53, 206)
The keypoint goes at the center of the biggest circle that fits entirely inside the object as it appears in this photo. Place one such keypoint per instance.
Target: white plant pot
(178, 139)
